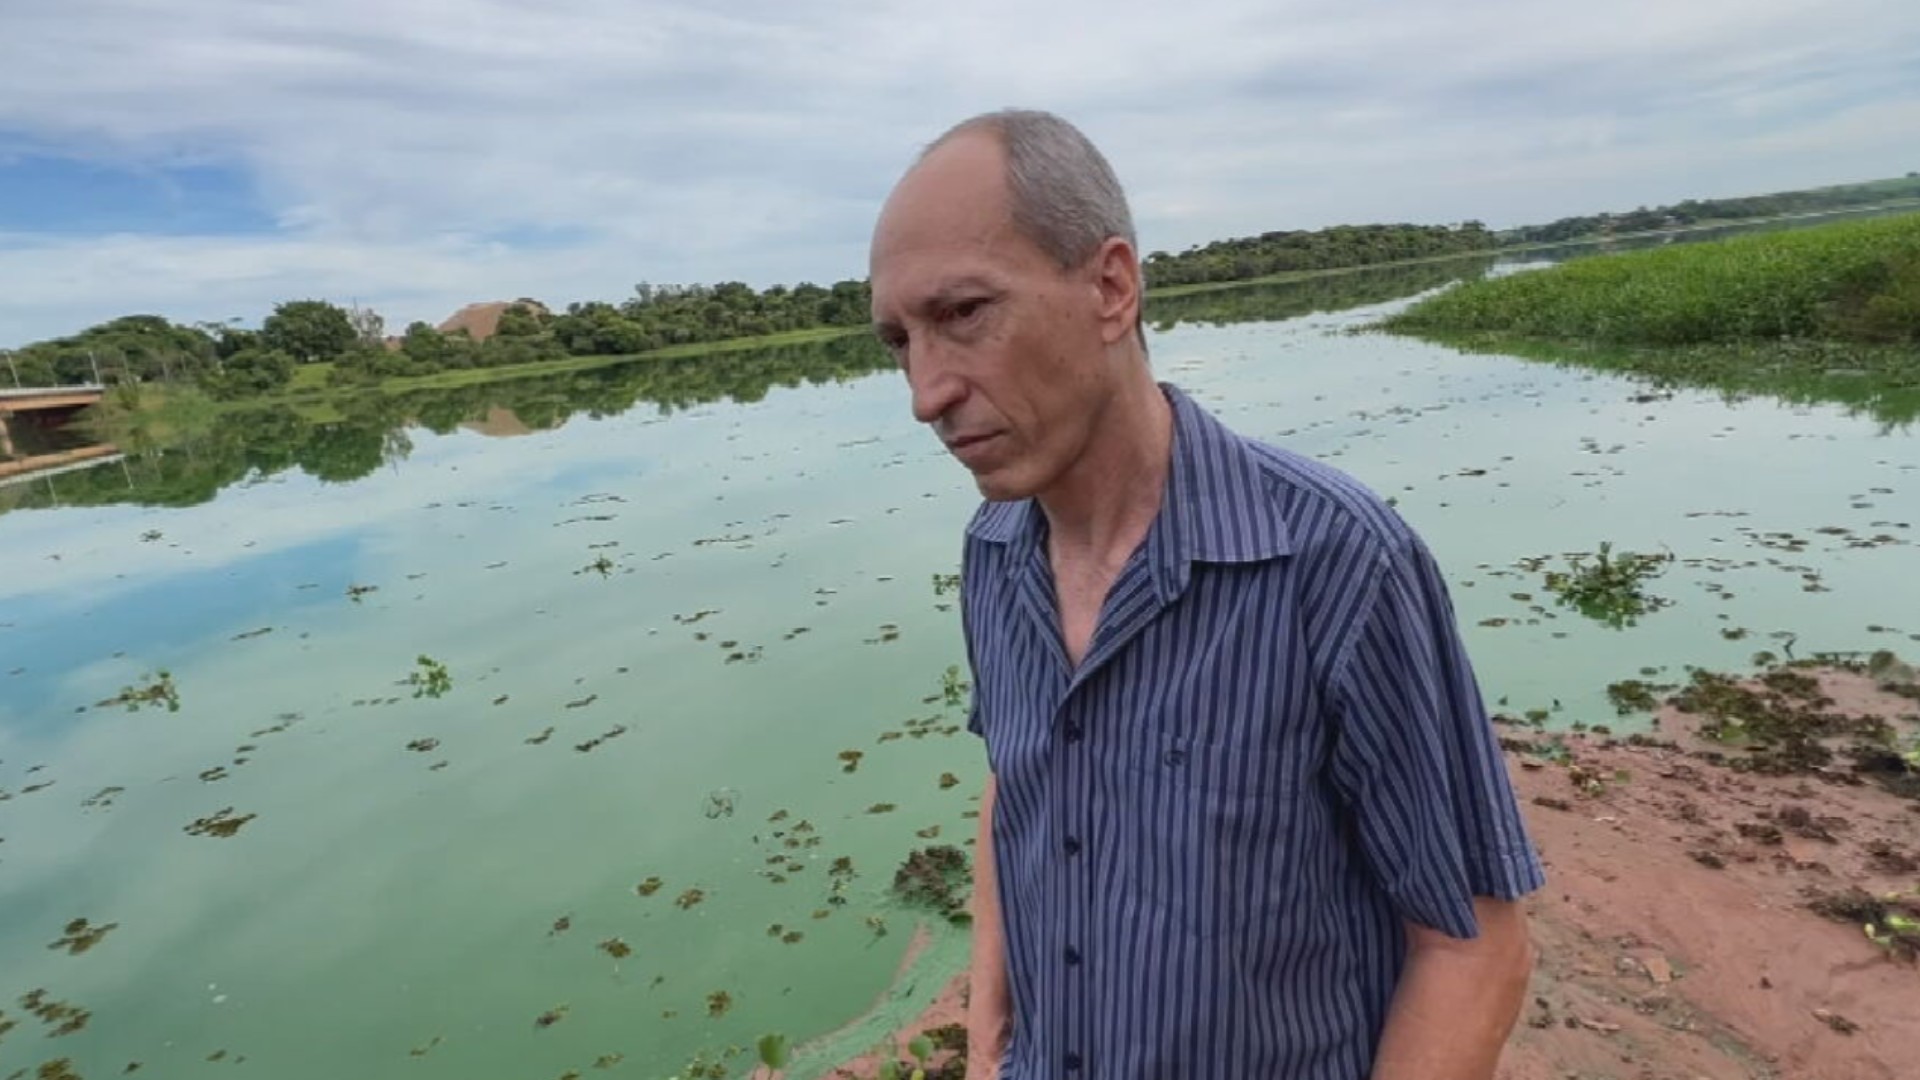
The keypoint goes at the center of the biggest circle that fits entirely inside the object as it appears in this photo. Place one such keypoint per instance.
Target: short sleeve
(1416, 758)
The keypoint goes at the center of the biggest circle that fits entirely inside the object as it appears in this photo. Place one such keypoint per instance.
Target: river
(667, 598)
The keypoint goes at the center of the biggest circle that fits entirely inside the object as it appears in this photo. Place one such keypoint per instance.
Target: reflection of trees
(188, 467)
(1289, 299)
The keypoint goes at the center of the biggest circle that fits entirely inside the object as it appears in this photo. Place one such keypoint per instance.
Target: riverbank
(1703, 918)
(1829, 313)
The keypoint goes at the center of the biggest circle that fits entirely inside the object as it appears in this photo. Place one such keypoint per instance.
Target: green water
(381, 900)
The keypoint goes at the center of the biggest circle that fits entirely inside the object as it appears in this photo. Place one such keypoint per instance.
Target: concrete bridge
(44, 408)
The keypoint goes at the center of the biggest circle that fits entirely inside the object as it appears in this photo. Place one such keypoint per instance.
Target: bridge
(40, 409)
(67, 399)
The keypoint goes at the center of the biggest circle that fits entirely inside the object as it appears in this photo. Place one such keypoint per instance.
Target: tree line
(230, 361)
(1706, 211)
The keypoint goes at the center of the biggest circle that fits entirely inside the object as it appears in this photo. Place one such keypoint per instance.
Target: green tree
(308, 330)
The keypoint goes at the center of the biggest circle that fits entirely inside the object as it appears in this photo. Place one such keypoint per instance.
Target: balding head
(1061, 191)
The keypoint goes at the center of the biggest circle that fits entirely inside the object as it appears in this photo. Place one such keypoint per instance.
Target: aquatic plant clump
(429, 678)
(156, 691)
(1609, 588)
(936, 877)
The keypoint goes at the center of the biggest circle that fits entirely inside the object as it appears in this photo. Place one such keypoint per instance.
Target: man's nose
(935, 390)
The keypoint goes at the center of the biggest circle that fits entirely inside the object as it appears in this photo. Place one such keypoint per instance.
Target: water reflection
(349, 438)
(1272, 301)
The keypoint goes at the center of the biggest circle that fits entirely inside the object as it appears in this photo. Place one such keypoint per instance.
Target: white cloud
(421, 153)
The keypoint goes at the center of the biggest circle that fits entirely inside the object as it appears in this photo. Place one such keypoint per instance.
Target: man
(1246, 817)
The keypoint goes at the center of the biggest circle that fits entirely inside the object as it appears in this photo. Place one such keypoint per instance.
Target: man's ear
(1117, 278)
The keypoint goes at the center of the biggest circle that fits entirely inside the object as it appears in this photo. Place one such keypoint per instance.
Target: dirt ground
(1676, 938)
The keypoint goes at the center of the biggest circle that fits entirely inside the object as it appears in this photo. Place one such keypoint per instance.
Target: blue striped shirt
(1208, 834)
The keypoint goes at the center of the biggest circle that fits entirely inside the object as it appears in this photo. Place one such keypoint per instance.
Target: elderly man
(1247, 818)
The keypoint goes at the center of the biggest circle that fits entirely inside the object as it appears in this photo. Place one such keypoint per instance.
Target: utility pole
(96, 368)
(16, 371)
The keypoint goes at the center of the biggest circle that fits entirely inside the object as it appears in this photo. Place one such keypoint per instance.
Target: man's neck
(1102, 509)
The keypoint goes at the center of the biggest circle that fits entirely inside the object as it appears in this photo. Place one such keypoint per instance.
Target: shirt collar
(1218, 507)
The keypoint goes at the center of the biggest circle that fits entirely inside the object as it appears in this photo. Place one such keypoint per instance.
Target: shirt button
(1175, 757)
(1072, 845)
(1073, 1062)
(1073, 956)
(1074, 733)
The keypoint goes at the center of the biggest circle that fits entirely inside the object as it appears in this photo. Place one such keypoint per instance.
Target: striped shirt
(1209, 833)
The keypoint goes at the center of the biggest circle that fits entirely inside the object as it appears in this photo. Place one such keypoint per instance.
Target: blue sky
(205, 158)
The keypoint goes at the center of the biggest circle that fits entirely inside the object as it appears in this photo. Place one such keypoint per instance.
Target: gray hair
(1065, 197)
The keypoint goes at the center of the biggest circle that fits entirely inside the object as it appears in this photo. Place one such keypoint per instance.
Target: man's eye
(967, 309)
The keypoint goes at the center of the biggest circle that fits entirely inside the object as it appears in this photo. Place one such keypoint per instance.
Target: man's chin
(996, 486)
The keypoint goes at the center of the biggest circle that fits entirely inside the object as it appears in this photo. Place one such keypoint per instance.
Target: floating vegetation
(608, 1061)
(953, 688)
(536, 740)
(945, 583)
(422, 746)
(850, 760)
(791, 937)
(61, 1018)
(773, 1052)
(429, 678)
(1609, 589)
(689, 620)
(931, 832)
(222, 823)
(686, 900)
(937, 878)
(582, 703)
(602, 566)
(251, 634)
(592, 744)
(426, 1048)
(551, 1016)
(286, 720)
(718, 1003)
(889, 632)
(882, 808)
(616, 948)
(720, 803)
(101, 799)
(648, 887)
(81, 936)
(355, 592)
(561, 925)
(156, 690)
(948, 780)
(1636, 695)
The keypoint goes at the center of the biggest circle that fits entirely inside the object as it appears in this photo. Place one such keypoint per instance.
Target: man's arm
(1457, 999)
(989, 1006)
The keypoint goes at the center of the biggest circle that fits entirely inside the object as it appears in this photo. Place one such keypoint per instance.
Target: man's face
(1002, 349)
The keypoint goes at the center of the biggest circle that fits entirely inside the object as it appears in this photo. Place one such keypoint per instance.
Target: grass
(1853, 281)
(1829, 313)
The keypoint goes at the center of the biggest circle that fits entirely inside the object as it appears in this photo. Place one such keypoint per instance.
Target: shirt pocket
(1203, 831)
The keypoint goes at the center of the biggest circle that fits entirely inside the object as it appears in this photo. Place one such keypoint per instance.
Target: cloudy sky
(205, 158)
